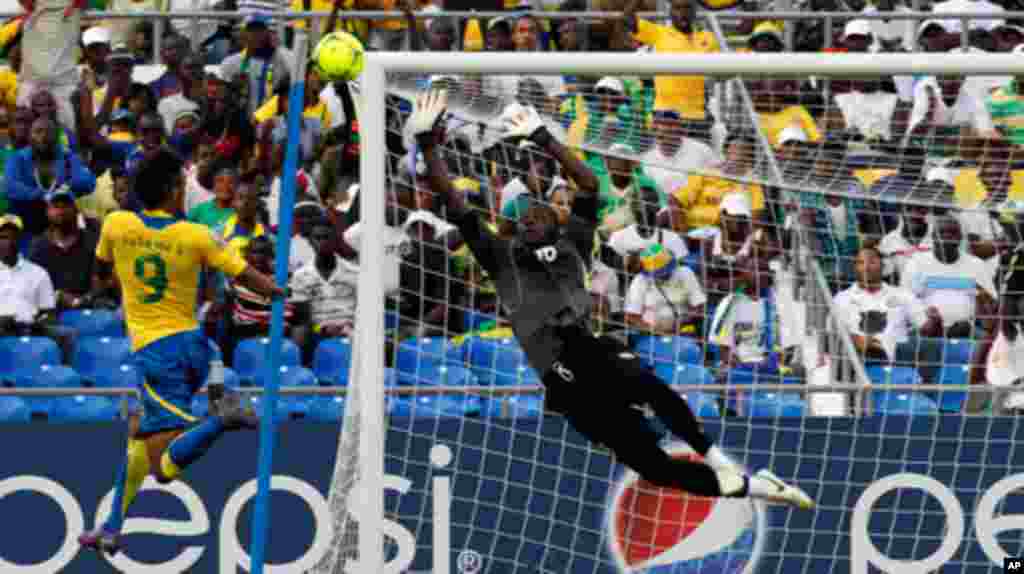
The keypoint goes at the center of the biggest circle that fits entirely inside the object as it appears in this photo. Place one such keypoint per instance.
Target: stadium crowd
(908, 189)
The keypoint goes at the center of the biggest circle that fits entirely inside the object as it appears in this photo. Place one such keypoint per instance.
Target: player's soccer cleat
(227, 404)
(781, 493)
(101, 541)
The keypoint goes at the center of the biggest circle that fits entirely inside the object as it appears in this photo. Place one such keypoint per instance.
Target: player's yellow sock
(133, 474)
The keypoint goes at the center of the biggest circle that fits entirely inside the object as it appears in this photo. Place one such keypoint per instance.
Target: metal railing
(861, 405)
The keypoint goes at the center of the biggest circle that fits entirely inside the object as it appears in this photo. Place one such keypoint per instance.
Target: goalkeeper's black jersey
(543, 287)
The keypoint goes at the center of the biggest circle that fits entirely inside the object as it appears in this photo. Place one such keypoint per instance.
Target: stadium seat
(80, 408)
(250, 357)
(654, 350)
(47, 377)
(416, 358)
(953, 401)
(327, 409)
(291, 377)
(93, 322)
(95, 356)
(955, 370)
(495, 361)
(460, 404)
(391, 320)
(902, 403)
(332, 360)
(14, 410)
(684, 374)
(473, 320)
(125, 375)
(885, 375)
(771, 405)
(25, 354)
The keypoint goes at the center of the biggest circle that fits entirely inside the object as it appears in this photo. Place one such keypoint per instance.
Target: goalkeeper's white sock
(718, 460)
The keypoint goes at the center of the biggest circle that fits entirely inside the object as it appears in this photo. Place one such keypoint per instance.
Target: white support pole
(838, 65)
(370, 317)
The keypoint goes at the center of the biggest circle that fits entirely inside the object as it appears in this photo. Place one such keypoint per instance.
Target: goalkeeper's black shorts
(598, 385)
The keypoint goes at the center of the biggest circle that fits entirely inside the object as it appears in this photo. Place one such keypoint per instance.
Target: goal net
(740, 252)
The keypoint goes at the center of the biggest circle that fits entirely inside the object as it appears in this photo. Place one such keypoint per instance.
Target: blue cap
(61, 192)
(256, 19)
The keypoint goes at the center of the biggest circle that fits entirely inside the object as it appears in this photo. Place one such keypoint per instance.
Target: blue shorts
(172, 369)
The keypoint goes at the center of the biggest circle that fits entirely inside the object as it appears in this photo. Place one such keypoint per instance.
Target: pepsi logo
(655, 530)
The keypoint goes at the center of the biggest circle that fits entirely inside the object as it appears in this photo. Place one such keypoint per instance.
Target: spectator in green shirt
(1006, 107)
(216, 211)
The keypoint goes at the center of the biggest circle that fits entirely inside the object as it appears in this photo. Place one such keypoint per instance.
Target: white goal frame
(370, 365)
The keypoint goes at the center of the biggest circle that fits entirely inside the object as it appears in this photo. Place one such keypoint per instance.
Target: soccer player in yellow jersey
(158, 259)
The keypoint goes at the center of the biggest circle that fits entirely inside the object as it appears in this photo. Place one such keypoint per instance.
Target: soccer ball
(339, 57)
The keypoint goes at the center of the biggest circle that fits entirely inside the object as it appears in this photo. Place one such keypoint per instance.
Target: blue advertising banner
(895, 495)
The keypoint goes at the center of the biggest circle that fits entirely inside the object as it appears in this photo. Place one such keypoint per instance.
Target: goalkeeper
(597, 383)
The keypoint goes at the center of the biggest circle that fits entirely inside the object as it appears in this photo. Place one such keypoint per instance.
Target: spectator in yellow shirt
(698, 203)
(684, 94)
(10, 50)
(773, 100)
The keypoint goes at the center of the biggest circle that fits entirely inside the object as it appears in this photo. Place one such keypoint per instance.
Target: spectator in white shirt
(324, 293)
(674, 156)
(630, 241)
(956, 286)
(746, 325)
(878, 315)
(969, 7)
(665, 298)
(912, 235)
(28, 301)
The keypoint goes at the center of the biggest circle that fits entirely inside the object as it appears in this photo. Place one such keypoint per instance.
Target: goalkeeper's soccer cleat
(100, 540)
(227, 404)
(776, 491)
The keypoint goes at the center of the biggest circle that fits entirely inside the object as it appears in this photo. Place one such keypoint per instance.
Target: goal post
(364, 498)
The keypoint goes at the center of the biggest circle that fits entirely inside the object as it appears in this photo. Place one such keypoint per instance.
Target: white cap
(924, 26)
(217, 72)
(943, 174)
(436, 78)
(419, 216)
(792, 134)
(96, 35)
(736, 204)
(1019, 49)
(857, 28)
(621, 150)
(612, 84)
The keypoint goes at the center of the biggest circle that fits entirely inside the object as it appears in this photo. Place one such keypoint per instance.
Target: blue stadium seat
(332, 360)
(439, 405)
(473, 320)
(95, 356)
(654, 350)
(495, 361)
(771, 405)
(125, 375)
(251, 357)
(81, 408)
(391, 319)
(434, 406)
(416, 358)
(93, 322)
(955, 374)
(902, 403)
(703, 405)
(885, 375)
(327, 409)
(25, 354)
(14, 410)
(679, 374)
(47, 377)
(291, 377)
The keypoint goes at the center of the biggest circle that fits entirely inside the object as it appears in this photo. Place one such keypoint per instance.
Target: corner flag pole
(296, 104)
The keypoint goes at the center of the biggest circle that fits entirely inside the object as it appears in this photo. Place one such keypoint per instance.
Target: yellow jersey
(772, 124)
(701, 198)
(158, 259)
(317, 111)
(684, 94)
(236, 238)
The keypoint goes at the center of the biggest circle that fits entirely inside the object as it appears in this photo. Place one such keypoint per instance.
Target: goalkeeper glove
(525, 122)
(426, 115)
